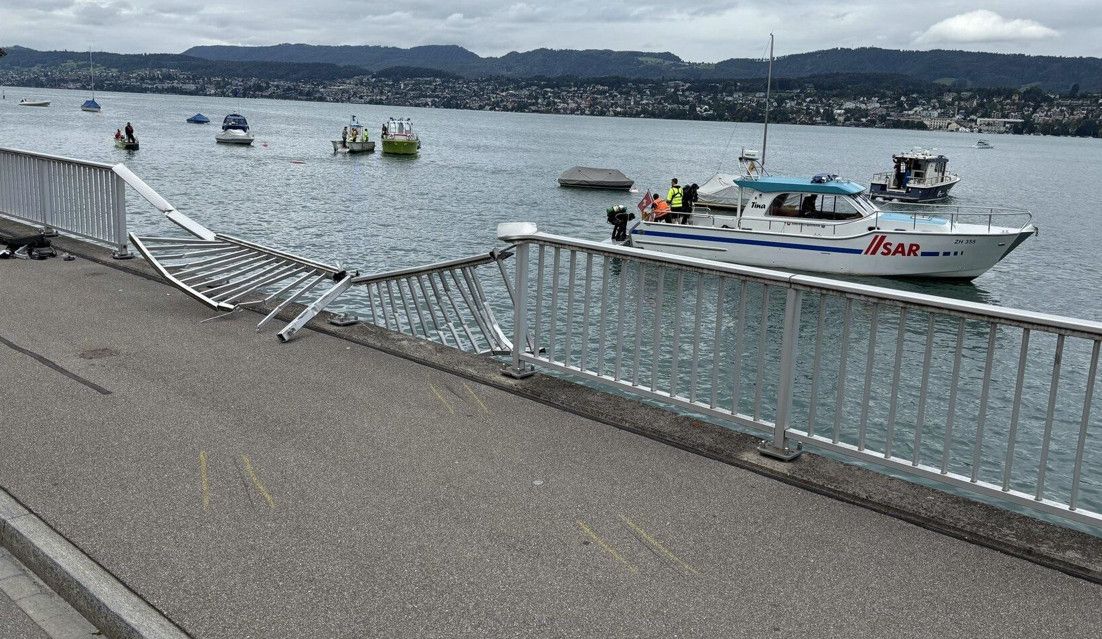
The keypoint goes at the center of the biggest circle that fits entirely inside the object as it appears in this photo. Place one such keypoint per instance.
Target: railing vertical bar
(736, 366)
(455, 309)
(920, 415)
(537, 321)
(641, 278)
(993, 332)
(443, 309)
(762, 335)
(1042, 467)
(602, 322)
(843, 361)
(721, 287)
(568, 323)
(816, 360)
(675, 360)
(371, 305)
(1015, 412)
(553, 310)
(900, 335)
(585, 310)
(1081, 444)
(656, 335)
(417, 307)
(432, 310)
(697, 321)
(954, 383)
(470, 299)
(619, 335)
(870, 361)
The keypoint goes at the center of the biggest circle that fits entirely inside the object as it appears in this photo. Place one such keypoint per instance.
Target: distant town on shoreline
(984, 102)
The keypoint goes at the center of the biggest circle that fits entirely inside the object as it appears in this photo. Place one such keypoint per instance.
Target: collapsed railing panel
(443, 302)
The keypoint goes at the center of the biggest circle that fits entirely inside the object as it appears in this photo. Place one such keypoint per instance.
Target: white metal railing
(991, 400)
(75, 197)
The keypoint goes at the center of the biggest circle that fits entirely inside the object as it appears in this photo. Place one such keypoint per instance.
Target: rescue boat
(830, 225)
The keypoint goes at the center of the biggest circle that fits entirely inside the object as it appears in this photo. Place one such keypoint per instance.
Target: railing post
(520, 369)
(779, 448)
(118, 217)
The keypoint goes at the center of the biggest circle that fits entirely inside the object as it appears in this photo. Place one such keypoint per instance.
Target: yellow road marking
(604, 545)
(476, 398)
(441, 398)
(256, 481)
(203, 479)
(654, 543)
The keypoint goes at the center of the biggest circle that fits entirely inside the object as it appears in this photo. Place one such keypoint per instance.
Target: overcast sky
(703, 31)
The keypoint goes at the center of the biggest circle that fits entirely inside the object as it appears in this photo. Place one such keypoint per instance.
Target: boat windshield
(817, 206)
(234, 121)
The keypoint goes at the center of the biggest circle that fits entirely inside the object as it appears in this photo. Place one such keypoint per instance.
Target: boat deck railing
(928, 387)
(964, 214)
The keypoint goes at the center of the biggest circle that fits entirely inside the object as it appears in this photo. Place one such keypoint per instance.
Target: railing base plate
(524, 372)
(122, 254)
(344, 319)
(784, 454)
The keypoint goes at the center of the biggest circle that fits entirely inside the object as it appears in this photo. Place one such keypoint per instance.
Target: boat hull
(353, 147)
(401, 147)
(40, 103)
(128, 146)
(237, 138)
(90, 109)
(875, 253)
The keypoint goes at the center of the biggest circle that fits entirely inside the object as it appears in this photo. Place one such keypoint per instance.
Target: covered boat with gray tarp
(593, 178)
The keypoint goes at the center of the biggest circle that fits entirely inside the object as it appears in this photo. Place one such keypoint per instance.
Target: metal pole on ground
(778, 448)
(519, 369)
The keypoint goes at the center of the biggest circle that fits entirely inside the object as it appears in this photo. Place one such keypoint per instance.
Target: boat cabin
(822, 197)
(398, 128)
(916, 176)
(235, 121)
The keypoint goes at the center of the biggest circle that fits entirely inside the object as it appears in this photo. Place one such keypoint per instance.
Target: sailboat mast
(768, 86)
(92, 72)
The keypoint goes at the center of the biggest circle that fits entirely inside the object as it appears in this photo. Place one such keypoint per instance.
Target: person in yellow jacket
(676, 197)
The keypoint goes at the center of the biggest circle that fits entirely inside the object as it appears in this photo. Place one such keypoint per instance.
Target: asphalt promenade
(320, 488)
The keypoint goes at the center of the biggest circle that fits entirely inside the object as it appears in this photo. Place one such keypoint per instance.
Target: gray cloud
(707, 30)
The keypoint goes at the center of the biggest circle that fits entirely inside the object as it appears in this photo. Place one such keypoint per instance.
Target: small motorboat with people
(198, 118)
(124, 138)
(235, 130)
(353, 139)
(983, 144)
(399, 139)
(918, 175)
(829, 225)
(587, 177)
(34, 103)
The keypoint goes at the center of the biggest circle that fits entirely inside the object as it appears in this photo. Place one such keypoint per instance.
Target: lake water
(477, 169)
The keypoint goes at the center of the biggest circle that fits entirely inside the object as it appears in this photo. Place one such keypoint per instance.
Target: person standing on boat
(130, 133)
(676, 198)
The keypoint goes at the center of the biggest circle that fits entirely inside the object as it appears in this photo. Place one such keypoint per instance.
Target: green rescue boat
(399, 139)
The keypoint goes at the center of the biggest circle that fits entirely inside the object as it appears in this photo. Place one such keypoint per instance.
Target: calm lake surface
(478, 169)
(481, 168)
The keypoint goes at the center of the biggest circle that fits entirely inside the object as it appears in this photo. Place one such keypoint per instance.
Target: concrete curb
(1067, 550)
(94, 592)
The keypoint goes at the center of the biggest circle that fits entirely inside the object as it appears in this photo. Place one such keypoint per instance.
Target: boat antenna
(768, 85)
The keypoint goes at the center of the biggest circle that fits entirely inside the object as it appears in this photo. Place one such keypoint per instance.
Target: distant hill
(22, 57)
(954, 68)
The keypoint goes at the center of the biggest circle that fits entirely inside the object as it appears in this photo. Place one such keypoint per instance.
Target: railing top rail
(474, 260)
(514, 233)
(59, 158)
(989, 210)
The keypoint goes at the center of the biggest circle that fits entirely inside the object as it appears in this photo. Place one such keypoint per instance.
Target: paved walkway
(323, 489)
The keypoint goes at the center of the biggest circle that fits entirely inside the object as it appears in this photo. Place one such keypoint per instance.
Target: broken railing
(995, 401)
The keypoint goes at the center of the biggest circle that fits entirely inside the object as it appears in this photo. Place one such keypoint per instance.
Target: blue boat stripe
(930, 253)
(733, 240)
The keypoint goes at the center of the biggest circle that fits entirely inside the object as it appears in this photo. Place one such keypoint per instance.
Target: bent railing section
(75, 197)
(990, 400)
(443, 302)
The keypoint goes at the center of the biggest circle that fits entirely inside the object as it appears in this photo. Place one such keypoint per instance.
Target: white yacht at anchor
(828, 225)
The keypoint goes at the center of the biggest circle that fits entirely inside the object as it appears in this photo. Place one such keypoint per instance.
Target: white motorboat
(824, 224)
(918, 175)
(235, 130)
(34, 103)
(354, 139)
